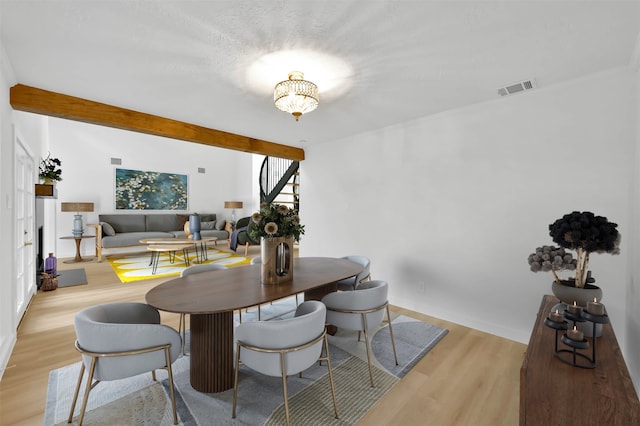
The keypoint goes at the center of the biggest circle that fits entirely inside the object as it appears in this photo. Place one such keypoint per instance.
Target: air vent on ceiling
(518, 87)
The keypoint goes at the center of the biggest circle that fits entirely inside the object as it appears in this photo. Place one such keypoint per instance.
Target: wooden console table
(555, 393)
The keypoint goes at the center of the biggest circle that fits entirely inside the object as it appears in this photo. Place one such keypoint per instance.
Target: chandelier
(296, 96)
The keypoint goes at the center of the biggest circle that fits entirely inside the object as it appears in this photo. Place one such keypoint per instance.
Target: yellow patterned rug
(136, 266)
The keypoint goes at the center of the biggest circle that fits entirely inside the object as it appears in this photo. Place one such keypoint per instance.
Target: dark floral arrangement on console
(275, 220)
(583, 232)
(50, 170)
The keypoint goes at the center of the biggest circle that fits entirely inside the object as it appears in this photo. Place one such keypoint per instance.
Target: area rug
(141, 401)
(136, 266)
(71, 277)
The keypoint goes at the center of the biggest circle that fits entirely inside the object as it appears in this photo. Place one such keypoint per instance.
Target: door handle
(28, 244)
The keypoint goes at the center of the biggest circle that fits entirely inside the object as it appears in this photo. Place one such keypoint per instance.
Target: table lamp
(233, 205)
(77, 220)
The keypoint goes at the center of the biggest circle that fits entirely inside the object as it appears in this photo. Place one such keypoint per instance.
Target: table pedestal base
(212, 352)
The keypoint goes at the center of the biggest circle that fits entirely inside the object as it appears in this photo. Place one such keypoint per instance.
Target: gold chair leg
(235, 381)
(75, 395)
(393, 341)
(366, 342)
(246, 249)
(89, 386)
(333, 388)
(182, 328)
(283, 369)
(240, 314)
(167, 356)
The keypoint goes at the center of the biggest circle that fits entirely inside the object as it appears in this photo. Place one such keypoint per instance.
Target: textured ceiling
(191, 60)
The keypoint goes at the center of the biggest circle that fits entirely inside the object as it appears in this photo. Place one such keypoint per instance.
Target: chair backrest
(197, 269)
(242, 222)
(256, 260)
(368, 295)
(307, 325)
(366, 269)
(121, 327)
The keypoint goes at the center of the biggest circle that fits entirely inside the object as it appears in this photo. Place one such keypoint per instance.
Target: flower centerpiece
(275, 220)
(276, 226)
(585, 233)
(49, 169)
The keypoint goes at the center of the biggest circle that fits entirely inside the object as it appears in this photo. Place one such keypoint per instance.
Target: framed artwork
(143, 190)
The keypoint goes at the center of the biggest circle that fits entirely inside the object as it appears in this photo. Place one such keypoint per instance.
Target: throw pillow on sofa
(220, 224)
(107, 229)
(208, 225)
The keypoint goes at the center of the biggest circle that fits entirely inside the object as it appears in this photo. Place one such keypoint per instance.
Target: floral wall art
(145, 190)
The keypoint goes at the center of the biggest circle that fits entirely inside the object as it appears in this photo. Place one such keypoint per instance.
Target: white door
(24, 226)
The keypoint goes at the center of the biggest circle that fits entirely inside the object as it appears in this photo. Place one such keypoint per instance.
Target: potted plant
(276, 226)
(49, 170)
(585, 233)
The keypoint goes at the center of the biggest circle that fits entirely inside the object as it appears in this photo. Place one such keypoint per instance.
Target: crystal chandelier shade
(296, 95)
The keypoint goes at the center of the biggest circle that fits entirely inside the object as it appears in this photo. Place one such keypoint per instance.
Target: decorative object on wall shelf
(145, 190)
(49, 170)
(277, 226)
(78, 228)
(233, 205)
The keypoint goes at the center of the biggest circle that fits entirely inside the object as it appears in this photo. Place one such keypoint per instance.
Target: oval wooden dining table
(211, 297)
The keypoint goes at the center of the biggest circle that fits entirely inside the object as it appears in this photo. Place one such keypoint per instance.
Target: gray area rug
(141, 401)
(71, 277)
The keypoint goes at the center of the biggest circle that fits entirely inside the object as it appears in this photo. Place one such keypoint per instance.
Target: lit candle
(575, 334)
(574, 309)
(595, 307)
(556, 316)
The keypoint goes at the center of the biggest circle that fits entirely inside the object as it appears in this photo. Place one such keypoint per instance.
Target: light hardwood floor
(469, 378)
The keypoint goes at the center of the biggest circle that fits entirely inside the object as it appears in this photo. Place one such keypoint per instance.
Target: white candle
(595, 307)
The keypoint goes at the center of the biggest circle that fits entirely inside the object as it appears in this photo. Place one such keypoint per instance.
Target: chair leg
(393, 341)
(235, 381)
(366, 342)
(167, 356)
(246, 249)
(182, 328)
(283, 368)
(75, 395)
(89, 386)
(333, 388)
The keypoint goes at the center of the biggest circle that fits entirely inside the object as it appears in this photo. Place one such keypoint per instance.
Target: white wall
(633, 281)
(88, 175)
(7, 284)
(449, 206)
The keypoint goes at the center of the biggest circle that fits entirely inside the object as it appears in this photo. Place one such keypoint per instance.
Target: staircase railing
(275, 174)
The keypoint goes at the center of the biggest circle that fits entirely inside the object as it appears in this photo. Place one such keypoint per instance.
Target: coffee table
(171, 249)
(201, 255)
(211, 297)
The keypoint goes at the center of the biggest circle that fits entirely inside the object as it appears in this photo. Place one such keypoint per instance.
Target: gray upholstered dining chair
(119, 340)
(353, 282)
(284, 347)
(192, 270)
(361, 310)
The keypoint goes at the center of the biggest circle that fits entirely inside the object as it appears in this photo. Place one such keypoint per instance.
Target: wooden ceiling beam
(39, 101)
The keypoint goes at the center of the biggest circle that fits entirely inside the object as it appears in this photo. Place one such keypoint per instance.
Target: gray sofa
(126, 230)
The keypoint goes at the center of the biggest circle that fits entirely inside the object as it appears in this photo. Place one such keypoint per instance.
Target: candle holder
(575, 358)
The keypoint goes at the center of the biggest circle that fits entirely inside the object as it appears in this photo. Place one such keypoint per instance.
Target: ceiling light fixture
(296, 95)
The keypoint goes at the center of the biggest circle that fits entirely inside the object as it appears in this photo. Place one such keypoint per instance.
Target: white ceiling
(190, 60)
